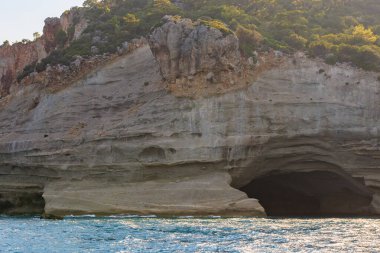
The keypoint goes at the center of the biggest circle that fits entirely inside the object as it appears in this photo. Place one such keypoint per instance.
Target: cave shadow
(311, 194)
(21, 203)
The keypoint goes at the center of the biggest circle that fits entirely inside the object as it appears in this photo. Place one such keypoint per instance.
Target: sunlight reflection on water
(148, 234)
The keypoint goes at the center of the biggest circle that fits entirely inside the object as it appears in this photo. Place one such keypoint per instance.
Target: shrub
(329, 29)
(249, 40)
(296, 41)
(61, 38)
(5, 43)
(71, 32)
(217, 25)
(331, 59)
(55, 58)
(26, 71)
(275, 44)
(131, 19)
(320, 48)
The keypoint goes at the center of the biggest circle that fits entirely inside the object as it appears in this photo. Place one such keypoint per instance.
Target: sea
(187, 234)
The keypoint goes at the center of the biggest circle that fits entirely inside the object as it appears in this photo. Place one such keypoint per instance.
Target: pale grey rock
(74, 18)
(76, 63)
(61, 144)
(94, 50)
(62, 68)
(125, 46)
(122, 147)
(210, 77)
(111, 144)
(251, 62)
(49, 68)
(96, 39)
(185, 48)
(278, 54)
(33, 74)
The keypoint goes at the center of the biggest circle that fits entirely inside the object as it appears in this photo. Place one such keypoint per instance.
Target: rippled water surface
(138, 234)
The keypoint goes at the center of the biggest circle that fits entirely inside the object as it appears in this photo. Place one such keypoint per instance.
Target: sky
(19, 19)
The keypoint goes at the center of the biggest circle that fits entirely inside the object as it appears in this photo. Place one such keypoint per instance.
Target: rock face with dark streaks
(14, 58)
(185, 49)
(303, 139)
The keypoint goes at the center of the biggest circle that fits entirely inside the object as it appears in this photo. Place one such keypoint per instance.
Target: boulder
(185, 48)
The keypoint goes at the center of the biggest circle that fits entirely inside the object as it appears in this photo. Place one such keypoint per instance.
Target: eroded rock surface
(186, 49)
(13, 59)
(98, 152)
(117, 142)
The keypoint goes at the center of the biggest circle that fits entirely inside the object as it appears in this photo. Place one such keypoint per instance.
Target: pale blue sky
(21, 18)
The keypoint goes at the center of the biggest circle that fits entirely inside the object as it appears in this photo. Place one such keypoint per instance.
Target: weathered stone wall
(117, 141)
(186, 49)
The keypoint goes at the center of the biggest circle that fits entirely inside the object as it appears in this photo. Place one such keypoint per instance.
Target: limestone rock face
(74, 19)
(118, 142)
(52, 26)
(96, 147)
(185, 48)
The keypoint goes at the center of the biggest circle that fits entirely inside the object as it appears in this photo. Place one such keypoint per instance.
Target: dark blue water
(134, 234)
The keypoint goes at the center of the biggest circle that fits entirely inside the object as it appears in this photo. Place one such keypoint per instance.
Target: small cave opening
(21, 203)
(315, 193)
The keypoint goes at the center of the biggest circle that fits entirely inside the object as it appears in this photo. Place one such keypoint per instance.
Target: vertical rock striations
(186, 50)
(14, 58)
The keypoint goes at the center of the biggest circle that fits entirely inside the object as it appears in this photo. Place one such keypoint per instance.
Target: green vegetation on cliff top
(336, 30)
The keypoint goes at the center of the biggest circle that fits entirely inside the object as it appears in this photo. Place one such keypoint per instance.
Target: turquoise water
(139, 234)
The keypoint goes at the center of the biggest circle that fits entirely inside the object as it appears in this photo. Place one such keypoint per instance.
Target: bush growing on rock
(217, 25)
(26, 71)
(61, 38)
(249, 40)
(5, 43)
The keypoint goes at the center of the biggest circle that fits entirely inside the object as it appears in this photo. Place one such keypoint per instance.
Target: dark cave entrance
(21, 203)
(316, 193)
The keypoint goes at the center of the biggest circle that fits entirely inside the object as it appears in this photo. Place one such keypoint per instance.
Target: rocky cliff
(14, 58)
(185, 49)
(302, 137)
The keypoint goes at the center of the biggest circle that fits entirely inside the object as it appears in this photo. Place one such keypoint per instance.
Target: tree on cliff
(326, 26)
(5, 43)
(335, 30)
(36, 35)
